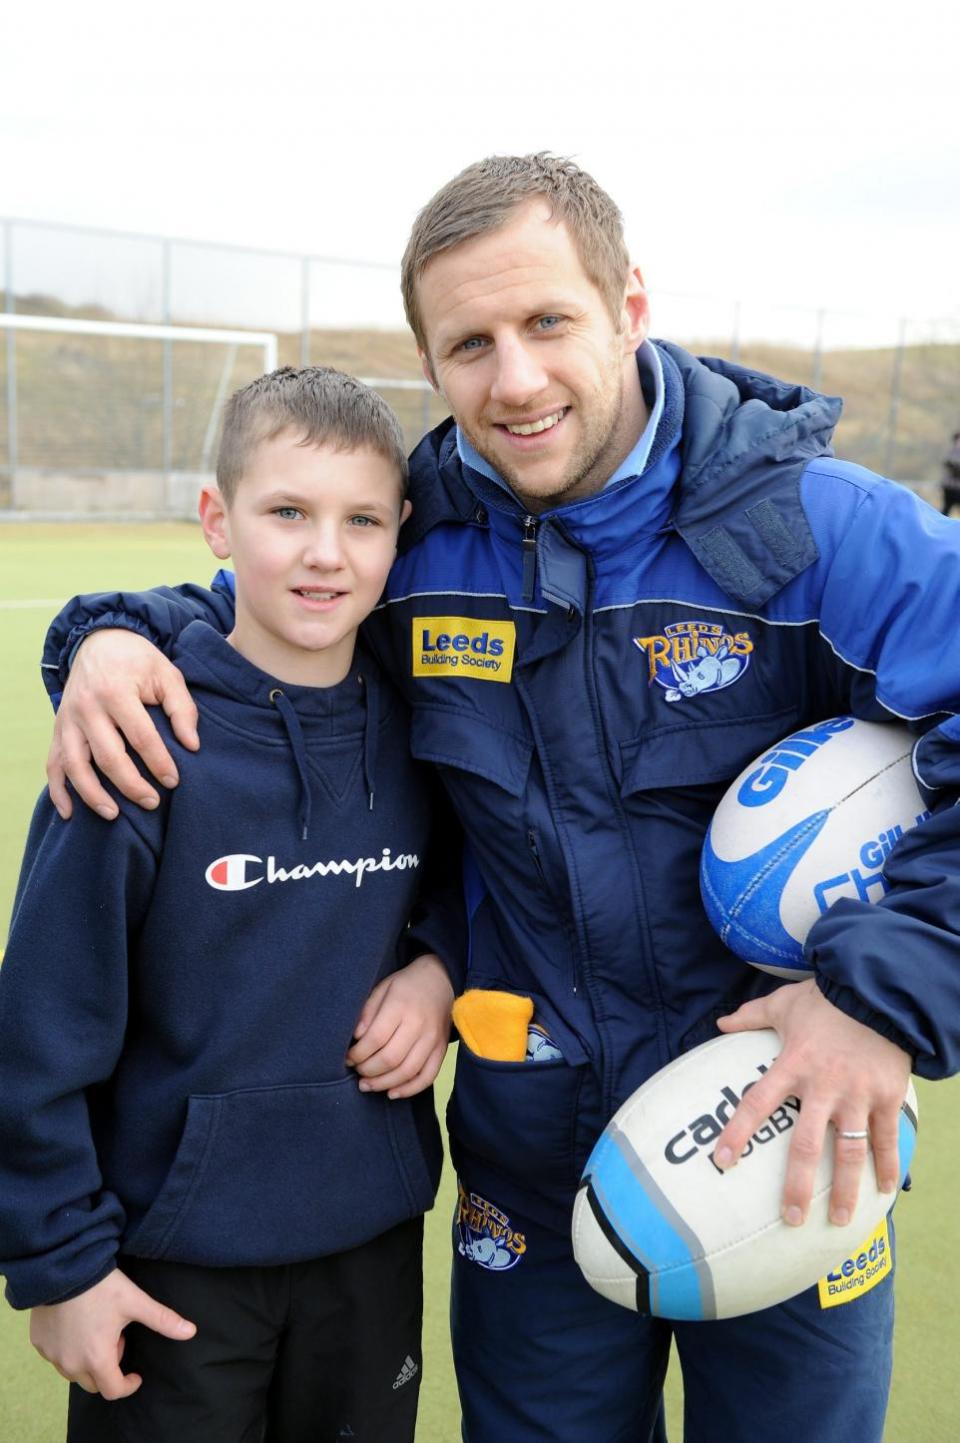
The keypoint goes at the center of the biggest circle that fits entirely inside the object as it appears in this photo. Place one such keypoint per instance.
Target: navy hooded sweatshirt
(180, 989)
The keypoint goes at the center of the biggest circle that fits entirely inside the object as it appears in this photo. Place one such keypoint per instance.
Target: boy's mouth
(312, 594)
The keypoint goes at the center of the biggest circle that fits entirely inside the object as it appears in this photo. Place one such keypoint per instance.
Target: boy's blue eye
(363, 521)
(287, 513)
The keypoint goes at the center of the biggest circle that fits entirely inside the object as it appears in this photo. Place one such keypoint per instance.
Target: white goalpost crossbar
(265, 339)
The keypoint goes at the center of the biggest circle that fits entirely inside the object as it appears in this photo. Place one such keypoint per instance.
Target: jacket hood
(745, 439)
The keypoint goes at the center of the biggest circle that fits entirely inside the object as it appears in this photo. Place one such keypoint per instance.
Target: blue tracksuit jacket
(180, 989)
(543, 659)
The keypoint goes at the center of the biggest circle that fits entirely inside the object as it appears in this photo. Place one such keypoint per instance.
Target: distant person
(951, 476)
(600, 511)
(189, 997)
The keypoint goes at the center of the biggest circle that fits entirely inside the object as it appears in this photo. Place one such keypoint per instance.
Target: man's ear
(635, 316)
(426, 366)
(215, 522)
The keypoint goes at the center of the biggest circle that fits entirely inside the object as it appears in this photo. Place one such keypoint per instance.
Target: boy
(189, 996)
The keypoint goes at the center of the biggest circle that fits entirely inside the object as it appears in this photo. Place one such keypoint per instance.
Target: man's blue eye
(547, 323)
(472, 343)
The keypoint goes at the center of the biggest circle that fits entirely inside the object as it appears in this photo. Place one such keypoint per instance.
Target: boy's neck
(295, 666)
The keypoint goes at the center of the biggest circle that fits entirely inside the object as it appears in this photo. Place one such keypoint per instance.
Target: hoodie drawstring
(370, 731)
(299, 748)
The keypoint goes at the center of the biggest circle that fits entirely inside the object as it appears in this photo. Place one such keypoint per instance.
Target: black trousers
(310, 1352)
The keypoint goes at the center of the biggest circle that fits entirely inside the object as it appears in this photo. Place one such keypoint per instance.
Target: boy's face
(312, 533)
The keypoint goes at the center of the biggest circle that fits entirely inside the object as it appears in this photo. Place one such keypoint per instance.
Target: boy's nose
(520, 376)
(324, 550)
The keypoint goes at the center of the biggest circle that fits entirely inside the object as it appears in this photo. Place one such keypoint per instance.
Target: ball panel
(712, 1244)
(810, 821)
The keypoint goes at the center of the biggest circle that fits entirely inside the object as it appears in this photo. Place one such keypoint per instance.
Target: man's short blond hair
(481, 198)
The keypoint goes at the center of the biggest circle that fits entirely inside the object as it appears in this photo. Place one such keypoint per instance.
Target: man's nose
(520, 375)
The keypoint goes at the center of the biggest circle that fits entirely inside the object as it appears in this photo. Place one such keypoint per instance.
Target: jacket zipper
(529, 551)
(570, 935)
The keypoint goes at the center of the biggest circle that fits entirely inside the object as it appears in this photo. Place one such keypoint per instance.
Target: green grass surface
(45, 564)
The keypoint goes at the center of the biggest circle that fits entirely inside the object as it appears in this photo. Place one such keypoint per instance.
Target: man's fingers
(110, 755)
(134, 722)
(57, 781)
(181, 709)
(849, 1157)
(756, 1105)
(885, 1140)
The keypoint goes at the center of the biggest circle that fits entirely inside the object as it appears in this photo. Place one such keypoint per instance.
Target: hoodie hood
(277, 713)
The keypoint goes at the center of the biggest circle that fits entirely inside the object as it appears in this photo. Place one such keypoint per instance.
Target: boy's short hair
(326, 407)
(481, 198)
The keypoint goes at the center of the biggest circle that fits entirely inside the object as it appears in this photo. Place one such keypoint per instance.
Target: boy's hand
(83, 1338)
(404, 1028)
(115, 676)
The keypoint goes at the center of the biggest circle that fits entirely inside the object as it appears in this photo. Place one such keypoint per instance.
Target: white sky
(804, 154)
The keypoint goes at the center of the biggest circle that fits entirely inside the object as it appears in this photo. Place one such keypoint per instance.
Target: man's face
(524, 350)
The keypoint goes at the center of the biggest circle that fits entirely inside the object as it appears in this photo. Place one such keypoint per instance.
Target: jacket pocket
(701, 752)
(468, 742)
(277, 1174)
(528, 1120)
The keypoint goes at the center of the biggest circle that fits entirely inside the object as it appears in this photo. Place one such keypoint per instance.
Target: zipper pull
(529, 557)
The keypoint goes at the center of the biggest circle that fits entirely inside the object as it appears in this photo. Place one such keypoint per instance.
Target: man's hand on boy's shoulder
(83, 1337)
(115, 676)
(402, 1033)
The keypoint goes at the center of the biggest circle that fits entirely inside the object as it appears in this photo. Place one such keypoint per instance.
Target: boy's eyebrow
(295, 498)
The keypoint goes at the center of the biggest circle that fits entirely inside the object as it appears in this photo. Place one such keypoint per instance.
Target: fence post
(10, 305)
(818, 353)
(305, 311)
(167, 412)
(735, 337)
(894, 412)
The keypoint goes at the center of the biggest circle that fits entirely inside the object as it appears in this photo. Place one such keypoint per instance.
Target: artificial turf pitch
(42, 565)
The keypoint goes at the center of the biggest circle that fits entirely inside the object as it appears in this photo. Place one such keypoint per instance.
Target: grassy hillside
(97, 404)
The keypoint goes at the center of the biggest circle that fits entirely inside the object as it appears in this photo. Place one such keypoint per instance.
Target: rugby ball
(659, 1228)
(811, 820)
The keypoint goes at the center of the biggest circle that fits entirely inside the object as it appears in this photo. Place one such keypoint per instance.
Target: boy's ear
(215, 522)
(405, 511)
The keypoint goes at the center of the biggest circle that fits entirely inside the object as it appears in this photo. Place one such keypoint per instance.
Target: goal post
(118, 417)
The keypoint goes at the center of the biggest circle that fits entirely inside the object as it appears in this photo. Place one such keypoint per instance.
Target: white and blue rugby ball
(659, 1228)
(811, 820)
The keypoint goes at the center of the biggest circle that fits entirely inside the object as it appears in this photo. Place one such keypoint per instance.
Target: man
(599, 509)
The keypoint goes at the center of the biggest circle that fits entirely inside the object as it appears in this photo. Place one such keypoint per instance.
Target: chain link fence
(103, 411)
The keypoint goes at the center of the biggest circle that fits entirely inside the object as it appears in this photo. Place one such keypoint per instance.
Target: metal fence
(95, 406)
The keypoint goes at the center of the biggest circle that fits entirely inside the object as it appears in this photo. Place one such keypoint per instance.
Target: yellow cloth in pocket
(494, 1024)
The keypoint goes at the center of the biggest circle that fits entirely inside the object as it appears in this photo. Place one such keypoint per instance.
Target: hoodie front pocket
(278, 1174)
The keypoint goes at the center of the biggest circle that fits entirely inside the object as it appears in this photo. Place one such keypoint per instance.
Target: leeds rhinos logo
(484, 1234)
(691, 657)
(233, 874)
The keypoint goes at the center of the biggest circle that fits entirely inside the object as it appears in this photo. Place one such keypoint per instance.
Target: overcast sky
(808, 153)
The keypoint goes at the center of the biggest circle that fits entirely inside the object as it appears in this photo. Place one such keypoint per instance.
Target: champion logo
(235, 873)
(409, 1370)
